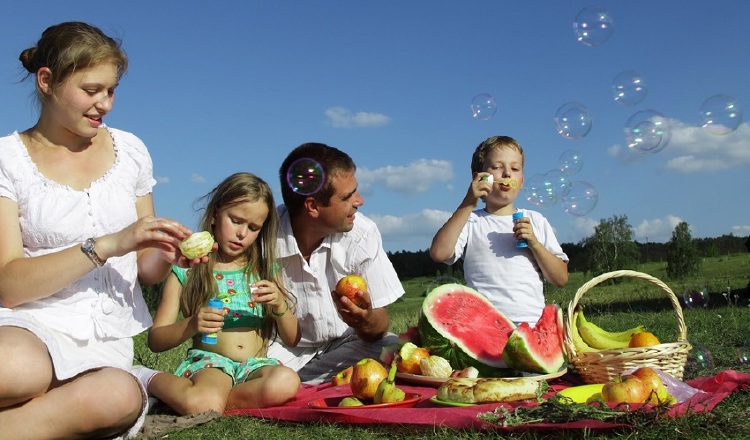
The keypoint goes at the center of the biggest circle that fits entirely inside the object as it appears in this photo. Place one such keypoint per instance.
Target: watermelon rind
(538, 349)
(461, 325)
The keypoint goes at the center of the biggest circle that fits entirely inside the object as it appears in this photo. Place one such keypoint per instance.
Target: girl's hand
(267, 292)
(208, 320)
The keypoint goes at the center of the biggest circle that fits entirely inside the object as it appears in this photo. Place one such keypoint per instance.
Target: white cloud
(741, 230)
(416, 178)
(657, 230)
(197, 178)
(692, 149)
(410, 231)
(162, 179)
(341, 117)
(581, 228)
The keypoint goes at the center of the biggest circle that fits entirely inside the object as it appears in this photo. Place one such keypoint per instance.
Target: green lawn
(719, 331)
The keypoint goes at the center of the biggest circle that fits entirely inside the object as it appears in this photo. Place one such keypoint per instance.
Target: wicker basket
(602, 366)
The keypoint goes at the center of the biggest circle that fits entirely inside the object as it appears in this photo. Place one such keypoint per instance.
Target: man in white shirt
(321, 239)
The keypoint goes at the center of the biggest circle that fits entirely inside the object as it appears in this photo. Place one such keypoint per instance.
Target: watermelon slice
(461, 325)
(538, 349)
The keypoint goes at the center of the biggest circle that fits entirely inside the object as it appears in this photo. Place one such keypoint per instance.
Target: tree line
(611, 247)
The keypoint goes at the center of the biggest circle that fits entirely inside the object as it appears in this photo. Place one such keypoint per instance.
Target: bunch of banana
(597, 338)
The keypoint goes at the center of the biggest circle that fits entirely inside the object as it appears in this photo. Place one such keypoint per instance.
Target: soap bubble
(539, 191)
(573, 120)
(483, 106)
(695, 297)
(593, 25)
(558, 182)
(699, 359)
(570, 162)
(647, 131)
(721, 114)
(743, 356)
(580, 198)
(305, 176)
(629, 87)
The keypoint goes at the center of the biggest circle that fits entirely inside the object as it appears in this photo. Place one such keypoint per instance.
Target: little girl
(233, 373)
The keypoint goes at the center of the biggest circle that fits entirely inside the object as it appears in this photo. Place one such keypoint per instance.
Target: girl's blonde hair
(200, 284)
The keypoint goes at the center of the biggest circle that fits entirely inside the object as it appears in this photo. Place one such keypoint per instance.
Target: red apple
(366, 376)
(410, 335)
(656, 389)
(349, 286)
(388, 353)
(625, 389)
(343, 377)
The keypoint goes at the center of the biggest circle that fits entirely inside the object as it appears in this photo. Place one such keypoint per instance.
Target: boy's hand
(480, 187)
(522, 230)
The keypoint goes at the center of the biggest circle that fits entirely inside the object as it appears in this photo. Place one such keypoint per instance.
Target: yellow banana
(578, 343)
(623, 336)
(595, 338)
(581, 393)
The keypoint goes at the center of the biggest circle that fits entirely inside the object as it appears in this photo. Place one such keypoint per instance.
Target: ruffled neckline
(54, 183)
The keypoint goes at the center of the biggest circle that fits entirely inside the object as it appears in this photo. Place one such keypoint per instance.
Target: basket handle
(681, 329)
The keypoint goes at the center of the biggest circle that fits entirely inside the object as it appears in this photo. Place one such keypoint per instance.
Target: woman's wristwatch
(87, 247)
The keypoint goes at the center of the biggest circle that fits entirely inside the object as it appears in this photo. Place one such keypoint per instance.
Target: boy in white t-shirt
(510, 276)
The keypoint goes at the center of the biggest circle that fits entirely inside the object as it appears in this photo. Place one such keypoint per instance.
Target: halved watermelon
(538, 349)
(461, 325)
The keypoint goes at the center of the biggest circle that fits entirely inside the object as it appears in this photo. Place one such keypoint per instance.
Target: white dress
(89, 323)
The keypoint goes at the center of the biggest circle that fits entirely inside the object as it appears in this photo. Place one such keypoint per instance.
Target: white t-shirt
(494, 266)
(106, 303)
(359, 251)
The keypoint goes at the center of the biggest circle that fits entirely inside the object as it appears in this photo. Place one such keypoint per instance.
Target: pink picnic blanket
(712, 390)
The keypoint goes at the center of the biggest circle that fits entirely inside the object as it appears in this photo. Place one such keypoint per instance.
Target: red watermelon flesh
(462, 325)
(538, 349)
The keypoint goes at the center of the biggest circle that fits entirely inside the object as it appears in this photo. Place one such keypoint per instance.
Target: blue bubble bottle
(519, 243)
(211, 338)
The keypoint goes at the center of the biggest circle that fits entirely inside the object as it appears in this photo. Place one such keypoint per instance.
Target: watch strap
(87, 247)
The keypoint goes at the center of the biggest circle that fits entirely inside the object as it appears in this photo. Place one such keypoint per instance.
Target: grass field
(718, 329)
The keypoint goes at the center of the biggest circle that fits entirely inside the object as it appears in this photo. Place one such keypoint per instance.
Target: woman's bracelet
(282, 313)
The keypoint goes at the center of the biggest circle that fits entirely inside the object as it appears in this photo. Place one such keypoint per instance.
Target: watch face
(88, 245)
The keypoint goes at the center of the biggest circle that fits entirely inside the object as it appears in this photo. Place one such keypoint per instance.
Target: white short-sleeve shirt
(358, 251)
(106, 303)
(494, 266)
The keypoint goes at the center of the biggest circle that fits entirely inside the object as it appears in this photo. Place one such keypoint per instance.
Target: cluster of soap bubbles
(577, 198)
(305, 176)
(695, 297)
(647, 131)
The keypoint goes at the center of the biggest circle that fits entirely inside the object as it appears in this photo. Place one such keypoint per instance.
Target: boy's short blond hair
(492, 143)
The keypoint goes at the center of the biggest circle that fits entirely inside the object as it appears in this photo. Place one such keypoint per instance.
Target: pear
(350, 401)
(387, 391)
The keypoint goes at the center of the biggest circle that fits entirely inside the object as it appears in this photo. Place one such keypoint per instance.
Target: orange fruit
(643, 339)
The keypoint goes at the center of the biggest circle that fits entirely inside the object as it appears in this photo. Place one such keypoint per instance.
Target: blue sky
(226, 86)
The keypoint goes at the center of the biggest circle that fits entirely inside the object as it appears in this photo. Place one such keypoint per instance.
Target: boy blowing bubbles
(511, 277)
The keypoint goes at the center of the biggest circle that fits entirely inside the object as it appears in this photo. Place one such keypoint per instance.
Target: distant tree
(682, 254)
(611, 247)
